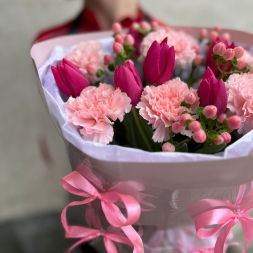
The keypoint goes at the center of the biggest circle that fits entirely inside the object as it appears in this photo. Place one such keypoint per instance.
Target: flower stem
(144, 137)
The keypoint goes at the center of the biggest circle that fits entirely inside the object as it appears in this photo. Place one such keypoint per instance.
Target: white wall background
(27, 184)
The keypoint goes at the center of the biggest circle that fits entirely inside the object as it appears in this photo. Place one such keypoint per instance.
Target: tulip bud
(129, 40)
(117, 48)
(128, 80)
(108, 59)
(228, 54)
(239, 52)
(226, 137)
(69, 79)
(210, 111)
(234, 122)
(168, 147)
(199, 136)
(158, 66)
(219, 48)
(218, 140)
(116, 27)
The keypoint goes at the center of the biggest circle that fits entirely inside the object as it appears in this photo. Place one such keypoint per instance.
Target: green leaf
(100, 73)
(203, 126)
(212, 149)
(188, 122)
(199, 110)
(215, 57)
(111, 67)
(211, 134)
(222, 61)
(186, 105)
(234, 61)
(118, 61)
(183, 148)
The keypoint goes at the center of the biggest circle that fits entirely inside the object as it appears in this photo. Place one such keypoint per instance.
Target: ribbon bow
(77, 184)
(212, 216)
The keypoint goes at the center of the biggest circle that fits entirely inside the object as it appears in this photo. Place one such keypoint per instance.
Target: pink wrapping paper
(176, 180)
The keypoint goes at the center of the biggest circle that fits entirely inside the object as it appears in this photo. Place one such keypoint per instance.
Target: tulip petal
(69, 63)
(135, 73)
(204, 92)
(60, 83)
(167, 63)
(220, 98)
(76, 80)
(151, 63)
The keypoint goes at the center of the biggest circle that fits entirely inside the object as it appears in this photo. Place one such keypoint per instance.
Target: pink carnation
(85, 54)
(240, 99)
(95, 110)
(161, 106)
(183, 44)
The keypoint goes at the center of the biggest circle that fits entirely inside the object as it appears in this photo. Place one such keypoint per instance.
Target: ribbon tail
(134, 237)
(247, 227)
(110, 246)
(219, 246)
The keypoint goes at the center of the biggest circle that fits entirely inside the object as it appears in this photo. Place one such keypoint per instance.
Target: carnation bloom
(95, 110)
(161, 106)
(85, 54)
(183, 45)
(240, 99)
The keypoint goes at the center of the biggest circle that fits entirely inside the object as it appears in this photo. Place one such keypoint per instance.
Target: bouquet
(158, 123)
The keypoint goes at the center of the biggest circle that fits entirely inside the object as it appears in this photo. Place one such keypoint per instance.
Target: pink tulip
(69, 79)
(212, 92)
(158, 66)
(128, 80)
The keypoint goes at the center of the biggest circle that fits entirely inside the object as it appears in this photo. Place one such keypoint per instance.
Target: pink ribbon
(77, 184)
(212, 216)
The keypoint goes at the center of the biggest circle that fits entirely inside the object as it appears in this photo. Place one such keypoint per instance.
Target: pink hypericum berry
(145, 26)
(154, 25)
(226, 137)
(129, 40)
(217, 28)
(221, 117)
(108, 59)
(190, 98)
(196, 48)
(218, 140)
(199, 136)
(202, 33)
(197, 60)
(116, 27)
(135, 25)
(228, 54)
(168, 147)
(117, 48)
(219, 48)
(213, 36)
(91, 69)
(194, 126)
(234, 122)
(119, 38)
(183, 119)
(176, 127)
(210, 111)
(241, 64)
(225, 37)
(239, 51)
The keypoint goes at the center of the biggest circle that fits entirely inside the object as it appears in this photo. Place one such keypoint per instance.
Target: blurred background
(30, 189)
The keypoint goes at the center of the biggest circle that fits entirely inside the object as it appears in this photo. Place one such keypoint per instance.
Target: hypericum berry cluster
(205, 128)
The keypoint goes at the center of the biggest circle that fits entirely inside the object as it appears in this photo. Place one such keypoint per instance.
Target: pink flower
(161, 106)
(183, 45)
(247, 58)
(95, 110)
(240, 99)
(85, 54)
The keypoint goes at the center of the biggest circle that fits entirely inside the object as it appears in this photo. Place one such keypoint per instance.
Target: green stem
(136, 118)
